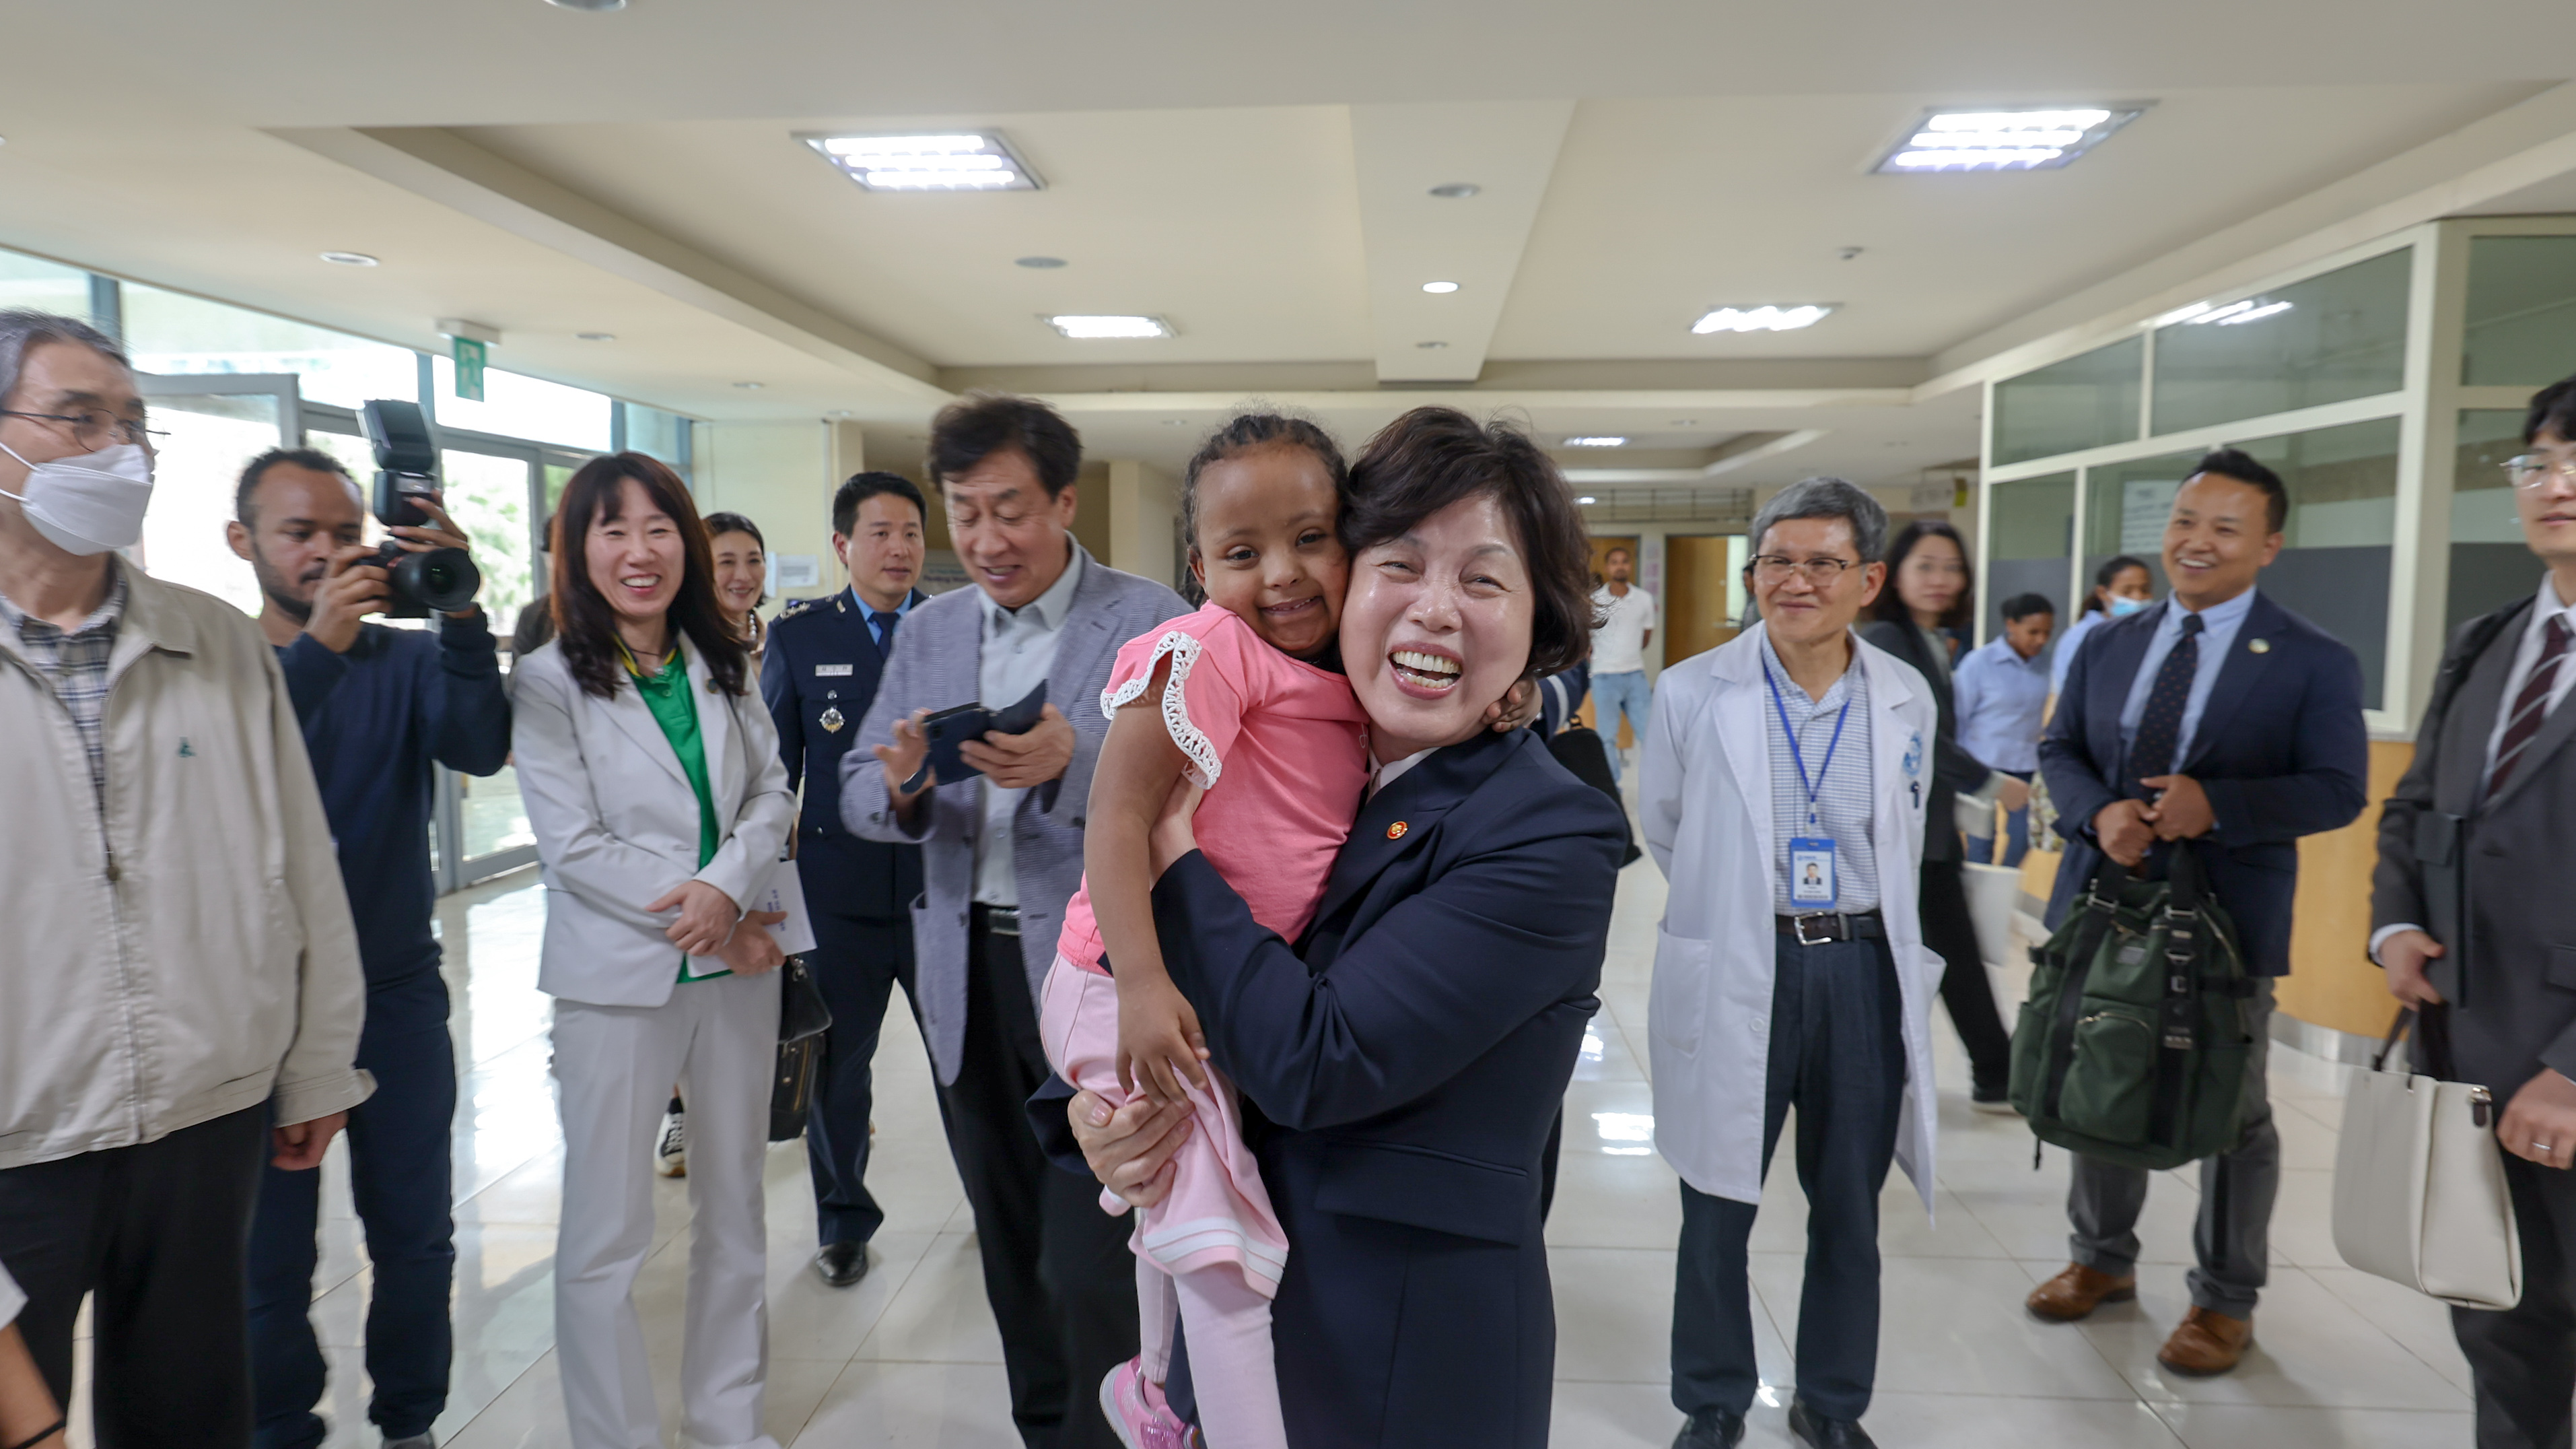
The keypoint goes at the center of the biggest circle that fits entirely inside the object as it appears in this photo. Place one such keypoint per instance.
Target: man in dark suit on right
(2471, 913)
(818, 676)
(2221, 723)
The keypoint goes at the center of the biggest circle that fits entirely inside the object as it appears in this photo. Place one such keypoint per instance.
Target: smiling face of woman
(636, 560)
(1437, 626)
(741, 574)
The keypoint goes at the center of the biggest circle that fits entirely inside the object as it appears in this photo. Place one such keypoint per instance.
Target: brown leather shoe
(2206, 1343)
(2076, 1292)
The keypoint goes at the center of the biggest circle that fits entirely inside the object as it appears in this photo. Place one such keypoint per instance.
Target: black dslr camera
(443, 580)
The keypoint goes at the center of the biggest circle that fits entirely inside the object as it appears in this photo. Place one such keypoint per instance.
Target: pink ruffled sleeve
(1216, 678)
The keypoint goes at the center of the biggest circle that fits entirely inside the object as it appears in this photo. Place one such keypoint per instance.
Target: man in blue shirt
(378, 705)
(2223, 724)
(819, 677)
(2000, 691)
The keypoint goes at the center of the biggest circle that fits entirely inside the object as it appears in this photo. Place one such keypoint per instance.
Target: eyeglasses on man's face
(2534, 470)
(93, 428)
(1770, 569)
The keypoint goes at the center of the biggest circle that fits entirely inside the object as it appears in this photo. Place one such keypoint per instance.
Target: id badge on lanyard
(1812, 886)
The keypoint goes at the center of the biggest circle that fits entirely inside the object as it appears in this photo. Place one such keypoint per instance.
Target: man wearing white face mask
(180, 993)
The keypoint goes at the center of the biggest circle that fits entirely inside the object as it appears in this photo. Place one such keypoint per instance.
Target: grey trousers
(2523, 1359)
(2233, 1237)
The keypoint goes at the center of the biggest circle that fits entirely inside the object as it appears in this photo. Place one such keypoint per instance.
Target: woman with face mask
(2121, 587)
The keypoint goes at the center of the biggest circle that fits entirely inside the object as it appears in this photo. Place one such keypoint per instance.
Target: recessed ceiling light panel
(2033, 139)
(1587, 499)
(349, 259)
(1095, 326)
(957, 161)
(588, 4)
(1456, 190)
(1769, 317)
(1440, 289)
(1597, 440)
(1040, 264)
(596, 336)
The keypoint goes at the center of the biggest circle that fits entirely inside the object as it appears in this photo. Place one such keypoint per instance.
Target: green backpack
(2133, 1044)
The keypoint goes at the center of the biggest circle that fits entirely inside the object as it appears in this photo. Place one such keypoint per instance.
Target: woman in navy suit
(1401, 1068)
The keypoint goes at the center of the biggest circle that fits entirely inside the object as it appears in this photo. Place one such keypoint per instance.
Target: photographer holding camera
(377, 705)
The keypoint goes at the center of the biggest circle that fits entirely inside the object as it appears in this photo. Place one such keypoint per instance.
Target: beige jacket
(196, 957)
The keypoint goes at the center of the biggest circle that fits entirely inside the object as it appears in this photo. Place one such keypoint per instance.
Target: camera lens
(443, 579)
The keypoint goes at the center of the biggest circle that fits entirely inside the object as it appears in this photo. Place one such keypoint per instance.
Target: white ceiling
(1256, 175)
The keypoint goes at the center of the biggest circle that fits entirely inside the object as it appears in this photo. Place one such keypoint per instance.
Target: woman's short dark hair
(980, 424)
(1241, 434)
(1891, 605)
(1431, 458)
(2111, 568)
(585, 625)
(2022, 606)
(720, 524)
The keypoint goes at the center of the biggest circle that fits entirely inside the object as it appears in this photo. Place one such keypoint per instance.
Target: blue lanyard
(1796, 758)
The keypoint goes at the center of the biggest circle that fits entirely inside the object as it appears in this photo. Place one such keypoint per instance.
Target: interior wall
(1142, 504)
(780, 476)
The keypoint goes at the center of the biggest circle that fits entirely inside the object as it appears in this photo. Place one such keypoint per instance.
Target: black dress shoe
(1716, 1429)
(1814, 1430)
(842, 1264)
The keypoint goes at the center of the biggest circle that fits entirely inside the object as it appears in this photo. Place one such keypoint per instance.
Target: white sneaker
(671, 1152)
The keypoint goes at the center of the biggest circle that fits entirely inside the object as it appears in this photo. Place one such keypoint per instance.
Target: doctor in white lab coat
(1783, 784)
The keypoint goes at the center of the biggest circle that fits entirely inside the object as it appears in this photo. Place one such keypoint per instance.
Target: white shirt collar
(2550, 604)
(1381, 776)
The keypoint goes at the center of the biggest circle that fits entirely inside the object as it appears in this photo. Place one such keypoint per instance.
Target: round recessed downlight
(349, 259)
(588, 4)
(748, 386)
(1039, 264)
(1456, 190)
(1430, 346)
(1440, 289)
(1587, 498)
(596, 336)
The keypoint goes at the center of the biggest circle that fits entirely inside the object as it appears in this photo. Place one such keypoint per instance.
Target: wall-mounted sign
(469, 368)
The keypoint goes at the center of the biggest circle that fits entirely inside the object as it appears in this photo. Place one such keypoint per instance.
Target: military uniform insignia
(831, 721)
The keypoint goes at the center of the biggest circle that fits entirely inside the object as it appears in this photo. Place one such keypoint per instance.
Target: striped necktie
(2531, 706)
(2160, 728)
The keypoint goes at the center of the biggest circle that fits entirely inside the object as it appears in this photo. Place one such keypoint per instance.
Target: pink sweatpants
(1210, 1253)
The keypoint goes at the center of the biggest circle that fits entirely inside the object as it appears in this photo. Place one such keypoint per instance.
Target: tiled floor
(910, 1356)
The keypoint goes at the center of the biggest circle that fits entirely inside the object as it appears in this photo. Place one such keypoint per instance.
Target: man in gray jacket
(2471, 917)
(180, 995)
(1001, 855)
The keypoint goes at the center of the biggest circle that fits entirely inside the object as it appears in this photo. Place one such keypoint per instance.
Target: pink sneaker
(1135, 1408)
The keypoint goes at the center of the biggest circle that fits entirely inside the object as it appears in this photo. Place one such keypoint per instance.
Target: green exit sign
(469, 369)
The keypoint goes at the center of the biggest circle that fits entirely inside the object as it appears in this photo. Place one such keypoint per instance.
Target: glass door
(209, 426)
(491, 491)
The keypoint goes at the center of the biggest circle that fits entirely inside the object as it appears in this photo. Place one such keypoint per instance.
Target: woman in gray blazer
(660, 804)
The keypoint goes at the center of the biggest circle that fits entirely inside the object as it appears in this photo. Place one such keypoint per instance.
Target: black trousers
(857, 962)
(2523, 1359)
(159, 1232)
(1057, 1272)
(1965, 992)
(1837, 1054)
(399, 1174)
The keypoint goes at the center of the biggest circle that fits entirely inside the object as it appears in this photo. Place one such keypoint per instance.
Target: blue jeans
(1614, 695)
(399, 1173)
(1981, 849)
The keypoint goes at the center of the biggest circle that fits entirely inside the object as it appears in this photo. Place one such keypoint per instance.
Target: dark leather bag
(803, 1018)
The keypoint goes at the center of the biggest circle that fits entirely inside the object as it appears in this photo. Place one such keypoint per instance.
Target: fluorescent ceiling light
(1439, 288)
(1765, 318)
(964, 161)
(1587, 499)
(1597, 440)
(1088, 327)
(2039, 139)
(349, 259)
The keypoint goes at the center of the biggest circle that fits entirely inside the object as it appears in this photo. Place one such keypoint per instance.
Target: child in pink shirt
(1231, 699)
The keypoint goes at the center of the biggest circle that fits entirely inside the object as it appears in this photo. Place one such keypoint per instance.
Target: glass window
(171, 332)
(2521, 311)
(2083, 402)
(515, 406)
(44, 286)
(2030, 528)
(2125, 506)
(2327, 339)
(206, 440)
(2491, 566)
(487, 495)
(658, 434)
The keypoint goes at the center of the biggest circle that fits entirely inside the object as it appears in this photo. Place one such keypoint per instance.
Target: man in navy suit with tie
(818, 679)
(2221, 723)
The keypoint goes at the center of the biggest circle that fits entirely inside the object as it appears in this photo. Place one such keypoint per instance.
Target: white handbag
(2419, 1189)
